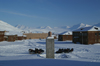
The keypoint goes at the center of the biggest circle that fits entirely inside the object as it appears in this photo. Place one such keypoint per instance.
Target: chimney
(49, 34)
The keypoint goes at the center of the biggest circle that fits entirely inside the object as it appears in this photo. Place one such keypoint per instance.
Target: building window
(74, 33)
(67, 36)
(60, 37)
(80, 34)
(99, 40)
(95, 34)
(99, 34)
(96, 40)
(85, 34)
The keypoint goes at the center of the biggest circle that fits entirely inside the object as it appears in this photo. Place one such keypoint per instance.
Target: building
(2, 33)
(65, 36)
(87, 35)
(21, 37)
(10, 38)
(36, 35)
(13, 36)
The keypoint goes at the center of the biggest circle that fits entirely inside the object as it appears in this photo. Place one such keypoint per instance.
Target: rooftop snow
(66, 33)
(91, 28)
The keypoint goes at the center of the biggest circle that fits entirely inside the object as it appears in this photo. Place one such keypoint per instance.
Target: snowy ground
(16, 54)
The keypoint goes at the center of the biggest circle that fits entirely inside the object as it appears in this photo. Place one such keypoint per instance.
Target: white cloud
(26, 15)
(20, 14)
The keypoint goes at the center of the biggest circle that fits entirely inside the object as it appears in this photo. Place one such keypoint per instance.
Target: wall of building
(87, 37)
(80, 37)
(20, 37)
(36, 35)
(60, 38)
(11, 38)
(64, 37)
(2, 35)
(1, 38)
(93, 37)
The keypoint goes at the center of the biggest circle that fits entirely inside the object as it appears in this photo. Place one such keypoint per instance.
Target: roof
(91, 28)
(3, 31)
(66, 33)
(14, 33)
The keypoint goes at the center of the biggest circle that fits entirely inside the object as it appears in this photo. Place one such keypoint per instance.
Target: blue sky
(34, 13)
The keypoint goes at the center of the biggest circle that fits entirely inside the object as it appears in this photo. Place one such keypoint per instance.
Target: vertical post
(50, 47)
(82, 37)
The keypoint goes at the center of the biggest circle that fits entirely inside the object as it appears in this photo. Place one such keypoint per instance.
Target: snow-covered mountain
(44, 27)
(47, 27)
(78, 26)
(65, 27)
(41, 29)
(53, 29)
(22, 27)
(7, 27)
(97, 24)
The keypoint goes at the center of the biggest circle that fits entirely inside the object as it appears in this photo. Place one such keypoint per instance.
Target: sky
(34, 13)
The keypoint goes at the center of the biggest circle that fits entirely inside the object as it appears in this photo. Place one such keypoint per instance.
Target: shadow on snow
(47, 62)
(58, 42)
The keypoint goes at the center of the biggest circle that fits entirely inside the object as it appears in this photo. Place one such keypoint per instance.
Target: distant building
(87, 35)
(37, 35)
(21, 37)
(65, 36)
(2, 33)
(10, 38)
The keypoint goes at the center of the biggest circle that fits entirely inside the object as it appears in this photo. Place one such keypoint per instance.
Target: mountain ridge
(41, 29)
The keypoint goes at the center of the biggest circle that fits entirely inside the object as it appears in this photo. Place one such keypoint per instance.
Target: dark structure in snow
(87, 35)
(10, 38)
(65, 50)
(2, 33)
(65, 36)
(36, 51)
(38, 35)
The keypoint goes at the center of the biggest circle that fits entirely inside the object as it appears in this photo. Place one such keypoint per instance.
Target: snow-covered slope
(98, 25)
(53, 29)
(65, 27)
(7, 27)
(77, 26)
(22, 27)
(41, 29)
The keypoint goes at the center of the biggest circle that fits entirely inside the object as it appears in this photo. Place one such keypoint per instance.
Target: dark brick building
(65, 36)
(2, 33)
(87, 35)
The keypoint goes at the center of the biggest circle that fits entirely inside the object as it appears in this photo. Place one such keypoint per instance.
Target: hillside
(7, 27)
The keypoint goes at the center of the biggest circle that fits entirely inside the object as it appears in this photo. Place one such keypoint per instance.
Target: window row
(97, 34)
(84, 34)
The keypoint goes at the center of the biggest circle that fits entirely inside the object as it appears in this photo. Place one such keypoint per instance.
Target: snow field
(18, 52)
